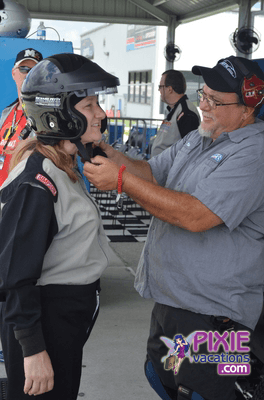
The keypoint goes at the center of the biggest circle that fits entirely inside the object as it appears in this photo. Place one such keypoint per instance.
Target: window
(140, 87)
(193, 83)
(143, 88)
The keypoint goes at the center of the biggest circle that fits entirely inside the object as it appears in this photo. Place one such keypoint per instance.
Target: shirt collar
(249, 130)
(172, 109)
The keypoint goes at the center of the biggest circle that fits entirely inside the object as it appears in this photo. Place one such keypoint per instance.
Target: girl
(53, 248)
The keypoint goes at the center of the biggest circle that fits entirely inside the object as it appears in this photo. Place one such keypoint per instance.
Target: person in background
(202, 262)
(183, 116)
(13, 120)
(53, 248)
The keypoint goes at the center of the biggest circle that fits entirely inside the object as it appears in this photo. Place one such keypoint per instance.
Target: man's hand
(38, 373)
(107, 149)
(102, 173)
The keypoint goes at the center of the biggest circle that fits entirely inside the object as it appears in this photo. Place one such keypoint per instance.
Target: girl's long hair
(56, 154)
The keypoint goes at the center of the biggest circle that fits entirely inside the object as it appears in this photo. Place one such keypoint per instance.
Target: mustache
(208, 115)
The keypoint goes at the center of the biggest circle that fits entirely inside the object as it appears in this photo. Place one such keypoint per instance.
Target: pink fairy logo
(229, 361)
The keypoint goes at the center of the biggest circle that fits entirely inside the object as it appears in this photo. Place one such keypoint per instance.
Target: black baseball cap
(229, 73)
(28, 54)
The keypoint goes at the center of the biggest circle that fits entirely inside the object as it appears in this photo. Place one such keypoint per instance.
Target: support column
(171, 37)
(245, 19)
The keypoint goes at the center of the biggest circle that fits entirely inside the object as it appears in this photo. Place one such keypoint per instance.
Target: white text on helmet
(48, 101)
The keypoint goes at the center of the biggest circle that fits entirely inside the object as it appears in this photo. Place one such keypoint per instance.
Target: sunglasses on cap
(24, 69)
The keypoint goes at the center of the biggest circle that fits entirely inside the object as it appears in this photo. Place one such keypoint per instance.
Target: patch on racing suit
(180, 115)
(47, 183)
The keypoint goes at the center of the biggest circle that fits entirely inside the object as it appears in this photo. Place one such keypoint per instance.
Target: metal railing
(120, 129)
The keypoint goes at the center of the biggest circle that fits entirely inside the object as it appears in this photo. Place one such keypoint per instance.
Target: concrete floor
(115, 352)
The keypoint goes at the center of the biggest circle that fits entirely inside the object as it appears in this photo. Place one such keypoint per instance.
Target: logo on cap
(32, 53)
(229, 67)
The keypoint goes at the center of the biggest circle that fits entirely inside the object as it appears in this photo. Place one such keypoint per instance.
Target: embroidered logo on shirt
(47, 183)
(217, 157)
(166, 123)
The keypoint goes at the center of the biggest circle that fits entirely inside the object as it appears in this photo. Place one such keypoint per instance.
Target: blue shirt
(219, 271)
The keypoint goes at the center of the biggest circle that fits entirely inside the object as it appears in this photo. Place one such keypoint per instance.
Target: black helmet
(54, 86)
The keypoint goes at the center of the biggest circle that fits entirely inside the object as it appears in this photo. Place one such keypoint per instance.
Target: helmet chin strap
(85, 151)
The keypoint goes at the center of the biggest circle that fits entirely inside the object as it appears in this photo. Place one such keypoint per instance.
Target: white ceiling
(152, 12)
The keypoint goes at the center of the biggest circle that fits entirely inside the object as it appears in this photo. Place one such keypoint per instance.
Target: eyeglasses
(160, 86)
(212, 103)
(24, 69)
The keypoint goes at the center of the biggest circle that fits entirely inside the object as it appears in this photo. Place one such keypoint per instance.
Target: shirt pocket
(197, 171)
(184, 153)
(181, 163)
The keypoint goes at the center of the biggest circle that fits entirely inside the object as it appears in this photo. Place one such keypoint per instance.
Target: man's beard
(203, 132)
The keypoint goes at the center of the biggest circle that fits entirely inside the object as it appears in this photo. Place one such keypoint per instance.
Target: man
(12, 120)
(203, 258)
(183, 116)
